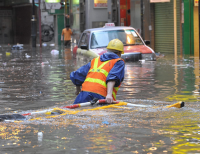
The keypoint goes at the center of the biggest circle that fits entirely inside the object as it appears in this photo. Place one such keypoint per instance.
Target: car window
(99, 39)
(87, 38)
(102, 38)
(132, 37)
(82, 40)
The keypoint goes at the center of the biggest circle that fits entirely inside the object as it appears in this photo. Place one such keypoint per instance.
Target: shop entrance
(6, 27)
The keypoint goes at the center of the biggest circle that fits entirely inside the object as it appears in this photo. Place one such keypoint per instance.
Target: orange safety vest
(95, 81)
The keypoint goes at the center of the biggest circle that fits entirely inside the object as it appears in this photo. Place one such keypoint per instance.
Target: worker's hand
(78, 90)
(109, 98)
(110, 86)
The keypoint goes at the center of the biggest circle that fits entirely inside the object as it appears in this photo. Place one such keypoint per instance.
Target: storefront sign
(75, 2)
(100, 3)
(196, 2)
(52, 1)
(53, 6)
(159, 1)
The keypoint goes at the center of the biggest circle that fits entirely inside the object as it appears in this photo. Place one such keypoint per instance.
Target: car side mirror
(147, 42)
(84, 47)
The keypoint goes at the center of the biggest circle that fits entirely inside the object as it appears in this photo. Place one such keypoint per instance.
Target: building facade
(15, 23)
(153, 19)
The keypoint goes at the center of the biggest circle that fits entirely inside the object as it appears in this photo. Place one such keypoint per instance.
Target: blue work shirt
(116, 74)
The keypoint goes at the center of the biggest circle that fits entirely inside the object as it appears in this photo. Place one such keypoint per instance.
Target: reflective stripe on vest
(95, 69)
(95, 79)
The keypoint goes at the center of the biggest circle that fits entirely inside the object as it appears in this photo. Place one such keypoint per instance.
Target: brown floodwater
(37, 79)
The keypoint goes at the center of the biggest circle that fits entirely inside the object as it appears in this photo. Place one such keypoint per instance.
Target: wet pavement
(38, 79)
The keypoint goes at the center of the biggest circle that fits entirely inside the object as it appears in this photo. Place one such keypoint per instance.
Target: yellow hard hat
(116, 44)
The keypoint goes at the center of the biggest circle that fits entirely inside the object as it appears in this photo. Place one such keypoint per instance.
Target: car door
(84, 41)
(81, 42)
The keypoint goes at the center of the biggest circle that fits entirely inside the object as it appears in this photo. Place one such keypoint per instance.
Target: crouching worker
(100, 78)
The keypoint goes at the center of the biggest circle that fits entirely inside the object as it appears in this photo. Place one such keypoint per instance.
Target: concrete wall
(95, 15)
(136, 15)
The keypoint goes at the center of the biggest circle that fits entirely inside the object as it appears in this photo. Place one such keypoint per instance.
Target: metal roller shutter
(164, 27)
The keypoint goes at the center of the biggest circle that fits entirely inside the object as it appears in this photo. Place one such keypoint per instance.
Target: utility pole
(199, 26)
(67, 11)
(33, 25)
(40, 31)
(142, 14)
(175, 31)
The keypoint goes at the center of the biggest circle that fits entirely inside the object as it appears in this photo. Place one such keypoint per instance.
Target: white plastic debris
(44, 44)
(40, 136)
(52, 45)
(45, 63)
(54, 52)
(27, 56)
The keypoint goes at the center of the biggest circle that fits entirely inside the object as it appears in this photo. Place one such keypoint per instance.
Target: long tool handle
(102, 101)
(69, 107)
(177, 105)
(76, 105)
(38, 112)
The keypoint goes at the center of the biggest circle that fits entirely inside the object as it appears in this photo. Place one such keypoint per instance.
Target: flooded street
(36, 80)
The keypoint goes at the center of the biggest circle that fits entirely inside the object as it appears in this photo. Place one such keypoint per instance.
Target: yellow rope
(70, 111)
(65, 112)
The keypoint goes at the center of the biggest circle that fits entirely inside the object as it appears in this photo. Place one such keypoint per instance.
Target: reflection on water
(32, 80)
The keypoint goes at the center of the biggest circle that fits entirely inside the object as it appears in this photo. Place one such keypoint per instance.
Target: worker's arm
(110, 86)
(116, 73)
(114, 79)
(78, 76)
(78, 90)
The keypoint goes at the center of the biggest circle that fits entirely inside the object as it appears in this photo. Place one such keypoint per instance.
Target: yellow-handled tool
(177, 105)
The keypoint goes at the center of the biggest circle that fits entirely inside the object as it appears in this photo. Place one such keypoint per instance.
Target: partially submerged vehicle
(93, 43)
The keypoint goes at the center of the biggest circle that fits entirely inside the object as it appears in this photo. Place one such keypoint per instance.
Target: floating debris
(8, 53)
(54, 52)
(40, 136)
(105, 122)
(12, 117)
(52, 45)
(27, 56)
(18, 47)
